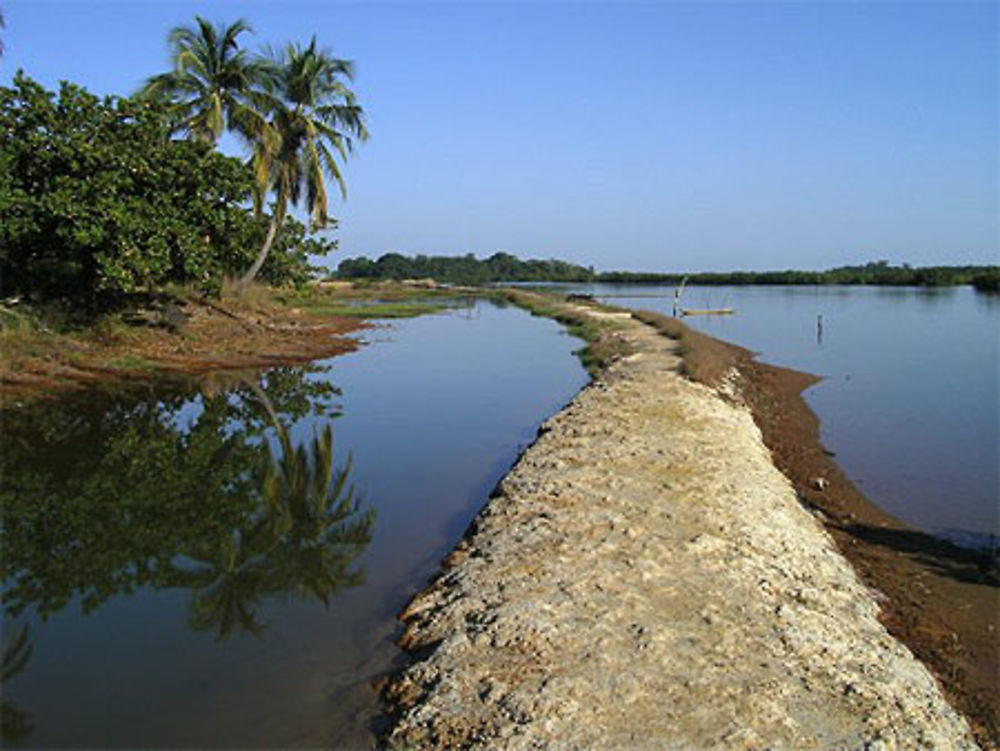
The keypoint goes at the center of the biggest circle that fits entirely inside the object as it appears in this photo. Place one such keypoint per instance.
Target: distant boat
(679, 311)
(707, 311)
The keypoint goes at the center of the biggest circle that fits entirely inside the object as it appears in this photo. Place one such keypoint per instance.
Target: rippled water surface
(909, 396)
(218, 563)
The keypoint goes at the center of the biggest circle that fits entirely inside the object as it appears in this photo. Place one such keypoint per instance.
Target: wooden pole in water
(677, 296)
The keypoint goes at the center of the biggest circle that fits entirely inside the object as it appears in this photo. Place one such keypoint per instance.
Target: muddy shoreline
(215, 336)
(490, 635)
(939, 599)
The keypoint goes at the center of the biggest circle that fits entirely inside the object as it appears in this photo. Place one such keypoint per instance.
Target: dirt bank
(646, 577)
(196, 336)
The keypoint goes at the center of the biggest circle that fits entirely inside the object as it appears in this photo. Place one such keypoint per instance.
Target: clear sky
(660, 136)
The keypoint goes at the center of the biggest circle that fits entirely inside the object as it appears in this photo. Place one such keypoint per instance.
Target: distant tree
(987, 280)
(314, 118)
(466, 269)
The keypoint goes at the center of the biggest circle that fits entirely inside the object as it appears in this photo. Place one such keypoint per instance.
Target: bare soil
(209, 336)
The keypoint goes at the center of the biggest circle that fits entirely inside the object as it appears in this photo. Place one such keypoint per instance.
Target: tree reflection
(15, 723)
(304, 540)
(103, 494)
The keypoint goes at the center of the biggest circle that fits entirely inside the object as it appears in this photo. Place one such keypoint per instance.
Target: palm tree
(314, 119)
(213, 83)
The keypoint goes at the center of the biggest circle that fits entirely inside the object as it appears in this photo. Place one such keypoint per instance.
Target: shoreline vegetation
(110, 202)
(501, 268)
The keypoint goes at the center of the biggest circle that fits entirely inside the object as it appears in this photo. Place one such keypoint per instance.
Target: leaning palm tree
(314, 119)
(212, 85)
(15, 723)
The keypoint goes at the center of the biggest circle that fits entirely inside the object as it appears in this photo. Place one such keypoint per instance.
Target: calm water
(909, 400)
(219, 563)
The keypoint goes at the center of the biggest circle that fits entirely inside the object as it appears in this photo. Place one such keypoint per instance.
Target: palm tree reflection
(15, 723)
(302, 538)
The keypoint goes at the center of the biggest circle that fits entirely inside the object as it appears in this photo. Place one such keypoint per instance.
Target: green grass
(16, 321)
(23, 334)
(388, 300)
(602, 344)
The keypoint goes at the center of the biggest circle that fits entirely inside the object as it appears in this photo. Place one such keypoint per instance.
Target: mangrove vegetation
(504, 267)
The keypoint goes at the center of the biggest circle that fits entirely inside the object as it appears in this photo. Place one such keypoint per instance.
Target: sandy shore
(646, 577)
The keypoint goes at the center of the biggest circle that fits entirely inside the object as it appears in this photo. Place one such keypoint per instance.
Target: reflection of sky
(909, 400)
(186, 417)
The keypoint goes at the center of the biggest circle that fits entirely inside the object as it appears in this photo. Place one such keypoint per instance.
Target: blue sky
(663, 136)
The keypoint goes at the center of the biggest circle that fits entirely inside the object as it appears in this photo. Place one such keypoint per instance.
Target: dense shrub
(98, 203)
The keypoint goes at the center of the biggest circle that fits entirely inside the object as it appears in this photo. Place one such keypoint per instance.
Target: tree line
(105, 198)
(503, 267)
(466, 269)
(879, 273)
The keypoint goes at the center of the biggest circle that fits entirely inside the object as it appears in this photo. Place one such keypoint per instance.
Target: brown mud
(213, 336)
(941, 600)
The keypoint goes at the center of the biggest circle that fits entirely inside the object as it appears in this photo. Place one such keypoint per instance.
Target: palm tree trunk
(276, 220)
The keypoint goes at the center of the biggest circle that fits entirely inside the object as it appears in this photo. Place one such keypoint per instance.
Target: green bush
(988, 280)
(99, 203)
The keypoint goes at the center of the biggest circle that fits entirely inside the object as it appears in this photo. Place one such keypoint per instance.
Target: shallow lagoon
(179, 583)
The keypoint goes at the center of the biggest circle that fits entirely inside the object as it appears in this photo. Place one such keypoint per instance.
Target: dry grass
(252, 295)
(706, 360)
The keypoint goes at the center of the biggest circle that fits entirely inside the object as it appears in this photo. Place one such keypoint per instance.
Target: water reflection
(304, 533)
(208, 493)
(15, 723)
